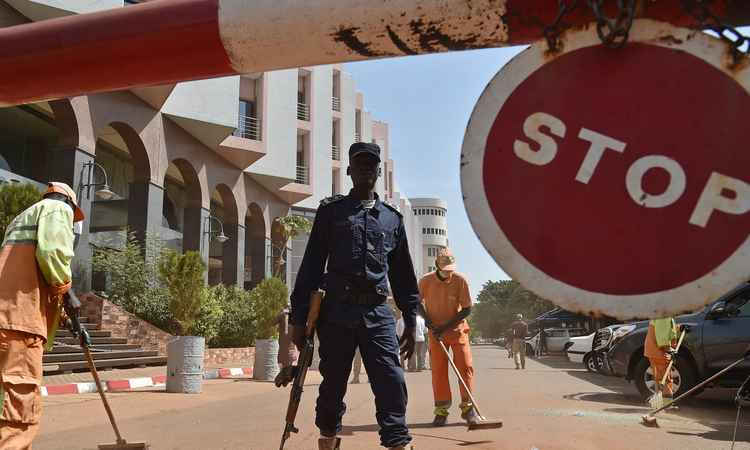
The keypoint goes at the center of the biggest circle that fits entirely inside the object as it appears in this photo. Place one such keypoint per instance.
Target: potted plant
(269, 298)
(182, 275)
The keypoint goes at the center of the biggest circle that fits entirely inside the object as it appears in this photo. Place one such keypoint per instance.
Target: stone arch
(31, 137)
(182, 206)
(279, 251)
(67, 123)
(137, 149)
(257, 247)
(225, 265)
(136, 206)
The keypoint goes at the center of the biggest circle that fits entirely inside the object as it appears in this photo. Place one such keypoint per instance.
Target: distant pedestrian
(417, 361)
(542, 342)
(420, 339)
(509, 342)
(520, 330)
(356, 367)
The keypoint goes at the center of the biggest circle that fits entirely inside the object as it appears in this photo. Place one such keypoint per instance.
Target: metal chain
(700, 10)
(614, 32)
(552, 32)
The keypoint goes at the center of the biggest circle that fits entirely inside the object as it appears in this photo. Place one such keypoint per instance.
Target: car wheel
(589, 362)
(683, 377)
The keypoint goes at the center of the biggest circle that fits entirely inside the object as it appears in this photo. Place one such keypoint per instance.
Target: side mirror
(717, 311)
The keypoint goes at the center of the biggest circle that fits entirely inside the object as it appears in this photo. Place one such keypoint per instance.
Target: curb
(233, 372)
(137, 383)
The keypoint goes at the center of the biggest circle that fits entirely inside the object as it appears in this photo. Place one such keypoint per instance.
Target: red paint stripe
(225, 373)
(157, 42)
(118, 385)
(159, 379)
(62, 389)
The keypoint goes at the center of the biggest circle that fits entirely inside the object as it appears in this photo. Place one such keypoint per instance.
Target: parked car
(590, 350)
(578, 350)
(556, 339)
(718, 335)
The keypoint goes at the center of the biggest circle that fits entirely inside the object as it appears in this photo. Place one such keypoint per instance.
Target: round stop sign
(616, 181)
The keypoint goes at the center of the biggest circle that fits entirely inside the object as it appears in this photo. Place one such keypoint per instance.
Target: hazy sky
(427, 100)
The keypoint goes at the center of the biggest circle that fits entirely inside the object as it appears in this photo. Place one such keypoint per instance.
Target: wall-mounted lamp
(221, 237)
(104, 193)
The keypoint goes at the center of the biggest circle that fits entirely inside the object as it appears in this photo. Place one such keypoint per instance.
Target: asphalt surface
(553, 404)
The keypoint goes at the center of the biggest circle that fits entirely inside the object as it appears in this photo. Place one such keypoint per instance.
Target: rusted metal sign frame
(685, 298)
(167, 41)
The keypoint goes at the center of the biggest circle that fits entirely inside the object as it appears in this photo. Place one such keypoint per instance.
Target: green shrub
(210, 316)
(182, 275)
(237, 326)
(268, 298)
(133, 281)
(14, 199)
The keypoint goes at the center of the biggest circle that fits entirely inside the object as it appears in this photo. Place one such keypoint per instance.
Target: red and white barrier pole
(166, 41)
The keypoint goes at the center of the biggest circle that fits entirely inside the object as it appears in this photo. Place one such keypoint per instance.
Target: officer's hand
(407, 343)
(286, 376)
(298, 337)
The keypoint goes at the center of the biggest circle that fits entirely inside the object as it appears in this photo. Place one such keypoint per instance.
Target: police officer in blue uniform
(360, 242)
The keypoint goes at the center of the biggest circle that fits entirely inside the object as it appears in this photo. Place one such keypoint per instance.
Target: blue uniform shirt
(362, 250)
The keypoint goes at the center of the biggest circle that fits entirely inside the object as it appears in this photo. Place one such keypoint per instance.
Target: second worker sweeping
(447, 301)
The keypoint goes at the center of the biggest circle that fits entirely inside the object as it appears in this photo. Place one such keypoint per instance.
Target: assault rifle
(299, 372)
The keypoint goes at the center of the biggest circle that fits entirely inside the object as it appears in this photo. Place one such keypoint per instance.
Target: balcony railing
(303, 111)
(303, 175)
(336, 104)
(335, 153)
(357, 137)
(248, 128)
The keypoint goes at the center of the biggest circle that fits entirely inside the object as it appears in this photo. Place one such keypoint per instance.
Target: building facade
(432, 215)
(204, 165)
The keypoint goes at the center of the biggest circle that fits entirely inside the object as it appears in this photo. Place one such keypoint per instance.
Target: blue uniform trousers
(376, 338)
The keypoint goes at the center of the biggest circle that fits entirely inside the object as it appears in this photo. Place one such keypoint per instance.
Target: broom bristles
(656, 401)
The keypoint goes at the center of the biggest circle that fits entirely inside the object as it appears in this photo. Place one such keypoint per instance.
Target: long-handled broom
(649, 419)
(121, 444)
(657, 400)
(483, 423)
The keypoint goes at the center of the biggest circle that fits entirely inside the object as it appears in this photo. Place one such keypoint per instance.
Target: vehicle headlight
(622, 331)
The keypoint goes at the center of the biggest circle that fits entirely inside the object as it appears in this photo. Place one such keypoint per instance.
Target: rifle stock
(303, 364)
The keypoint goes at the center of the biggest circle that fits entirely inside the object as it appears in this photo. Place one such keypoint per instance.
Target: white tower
(433, 216)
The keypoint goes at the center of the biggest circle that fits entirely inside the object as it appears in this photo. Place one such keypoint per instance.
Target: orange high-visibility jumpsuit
(656, 353)
(34, 274)
(443, 299)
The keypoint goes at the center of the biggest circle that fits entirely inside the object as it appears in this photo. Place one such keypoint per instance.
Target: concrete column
(194, 232)
(234, 255)
(145, 211)
(255, 248)
(65, 165)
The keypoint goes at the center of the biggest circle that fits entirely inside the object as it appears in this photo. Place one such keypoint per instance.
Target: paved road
(551, 405)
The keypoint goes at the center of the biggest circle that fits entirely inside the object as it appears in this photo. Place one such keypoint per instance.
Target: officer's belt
(365, 299)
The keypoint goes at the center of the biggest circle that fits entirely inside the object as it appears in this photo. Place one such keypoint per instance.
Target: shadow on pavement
(349, 430)
(714, 408)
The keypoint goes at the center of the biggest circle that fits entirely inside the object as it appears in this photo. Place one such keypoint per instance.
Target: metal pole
(168, 41)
